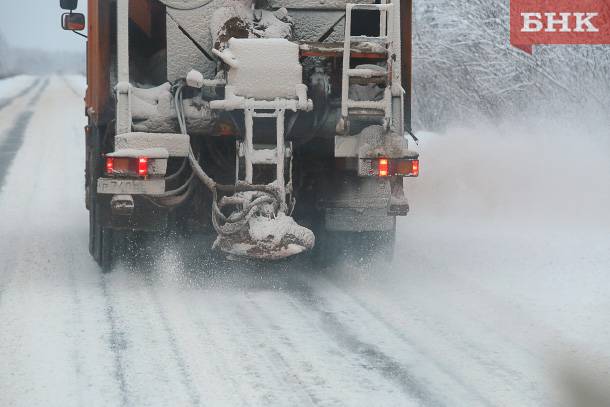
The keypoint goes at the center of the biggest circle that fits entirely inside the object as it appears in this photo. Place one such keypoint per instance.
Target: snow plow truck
(274, 126)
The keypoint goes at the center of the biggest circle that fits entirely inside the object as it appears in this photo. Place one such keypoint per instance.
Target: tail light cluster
(127, 166)
(389, 167)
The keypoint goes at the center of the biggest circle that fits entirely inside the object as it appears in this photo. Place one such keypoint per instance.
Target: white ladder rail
(280, 154)
(383, 17)
(347, 53)
(387, 26)
(250, 153)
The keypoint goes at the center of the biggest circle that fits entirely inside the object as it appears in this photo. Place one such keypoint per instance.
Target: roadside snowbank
(11, 87)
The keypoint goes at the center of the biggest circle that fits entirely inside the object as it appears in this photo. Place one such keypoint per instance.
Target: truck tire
(107, 249)
(101, 239)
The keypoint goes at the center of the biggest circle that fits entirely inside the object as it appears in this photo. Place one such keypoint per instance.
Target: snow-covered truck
(276, 126)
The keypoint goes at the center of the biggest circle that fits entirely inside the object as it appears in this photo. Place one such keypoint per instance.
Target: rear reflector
(389, 167)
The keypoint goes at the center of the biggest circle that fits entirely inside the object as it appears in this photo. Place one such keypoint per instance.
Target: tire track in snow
(204, 335)
(401, 336)
(4, 102)
(218, 320)
(77, 354)
(142, 284)
(116, 340)
(283, 343)
(44, 270)
(117, 337)
(13, 141)
(19, 127)
(277, 359)
(322, 377)
(387, 366)
(500, 372)
(179, 359)
(12, 144)
(70, 86)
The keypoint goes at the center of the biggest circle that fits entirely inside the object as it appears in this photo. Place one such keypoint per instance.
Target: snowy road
(499, 296)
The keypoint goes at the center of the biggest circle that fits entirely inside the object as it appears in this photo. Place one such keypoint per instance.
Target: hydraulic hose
(265, 197)
(179, 5)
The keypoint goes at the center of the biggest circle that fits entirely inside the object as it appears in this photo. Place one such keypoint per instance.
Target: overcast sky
(36, 24)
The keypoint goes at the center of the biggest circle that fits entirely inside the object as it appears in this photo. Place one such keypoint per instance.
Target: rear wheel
(108, 245)
(101, 239)
(107, 249)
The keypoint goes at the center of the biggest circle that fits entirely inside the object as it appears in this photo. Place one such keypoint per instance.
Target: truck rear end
(277, 127)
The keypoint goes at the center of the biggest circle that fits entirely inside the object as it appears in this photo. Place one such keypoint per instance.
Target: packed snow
(273, 62)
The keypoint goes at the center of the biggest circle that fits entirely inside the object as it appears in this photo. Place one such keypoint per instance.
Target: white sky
(36, 24)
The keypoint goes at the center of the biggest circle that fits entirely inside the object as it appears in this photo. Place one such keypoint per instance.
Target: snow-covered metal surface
(315, 4)
(269, 238)
(264, 69)
(234, 102)
(304, 21)
(211, 26)
(137, 152)
(374, 142)
(182, 54)
(311, 24)
(153, 111)
(175, 144)
(357, 205)
(498, 295)
(123, 87)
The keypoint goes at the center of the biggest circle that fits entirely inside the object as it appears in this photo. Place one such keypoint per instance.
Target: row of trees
(465, 68)
(38, 62)
(4, 51)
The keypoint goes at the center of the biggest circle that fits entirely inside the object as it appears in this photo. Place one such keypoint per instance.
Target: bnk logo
(559, 22)
(563, 22)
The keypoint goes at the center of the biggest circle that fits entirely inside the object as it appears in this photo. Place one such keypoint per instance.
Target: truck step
(367, 73)
(264, 154)
(366, 6)
(264, 157)
(366, 112)
(367, 104)
(383, 40)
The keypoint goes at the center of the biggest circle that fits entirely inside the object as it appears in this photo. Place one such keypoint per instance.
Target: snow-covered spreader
(278, 126)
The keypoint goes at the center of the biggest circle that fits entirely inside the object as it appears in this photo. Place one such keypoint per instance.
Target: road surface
(499, 295)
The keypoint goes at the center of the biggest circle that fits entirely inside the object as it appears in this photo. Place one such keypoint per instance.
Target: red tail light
(127, 166)
(384, 167)
(143, 166)
(388, 167)
(109, 165)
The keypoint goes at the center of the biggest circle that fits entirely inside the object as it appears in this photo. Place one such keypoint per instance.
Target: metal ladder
(254, 156)
(385, 39)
